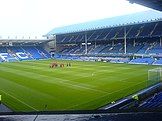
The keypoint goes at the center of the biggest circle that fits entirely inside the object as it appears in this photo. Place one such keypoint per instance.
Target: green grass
(30, 85)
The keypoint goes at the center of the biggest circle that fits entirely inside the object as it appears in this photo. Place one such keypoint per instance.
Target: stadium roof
(155, 4)
(136, 18)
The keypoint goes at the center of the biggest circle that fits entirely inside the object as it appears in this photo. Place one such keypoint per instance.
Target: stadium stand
(17, 53)
(140, 37)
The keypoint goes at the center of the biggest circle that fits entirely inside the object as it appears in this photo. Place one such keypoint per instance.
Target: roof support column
(95, 44)
(113, 43)
(160, 41)
(125, 41)
(55, 45)
(85, 43)
(134, 43)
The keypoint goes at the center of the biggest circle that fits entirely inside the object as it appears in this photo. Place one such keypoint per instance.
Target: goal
(154, 76)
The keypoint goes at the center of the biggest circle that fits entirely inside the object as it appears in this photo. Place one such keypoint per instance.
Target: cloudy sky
(37, 17)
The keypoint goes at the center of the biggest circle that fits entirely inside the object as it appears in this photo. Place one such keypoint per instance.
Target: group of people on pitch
(55, 64)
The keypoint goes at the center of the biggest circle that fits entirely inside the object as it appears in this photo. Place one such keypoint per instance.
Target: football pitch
(33, 86)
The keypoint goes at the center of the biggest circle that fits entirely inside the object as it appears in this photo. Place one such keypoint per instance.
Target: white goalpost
(154, 76)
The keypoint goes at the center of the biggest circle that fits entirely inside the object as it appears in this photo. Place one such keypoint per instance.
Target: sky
(31, 18)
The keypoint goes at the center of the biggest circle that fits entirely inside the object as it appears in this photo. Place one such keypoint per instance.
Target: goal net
(154, 76)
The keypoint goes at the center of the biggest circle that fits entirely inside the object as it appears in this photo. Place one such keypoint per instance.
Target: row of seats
(153, 102)
(138, 48)
(16, 53)
(148, 61)
(120, 61)
(66, 57)
(142, 61)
